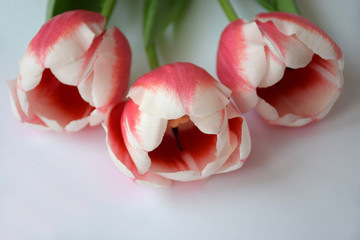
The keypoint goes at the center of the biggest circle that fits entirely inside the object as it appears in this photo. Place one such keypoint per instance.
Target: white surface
(299, 183)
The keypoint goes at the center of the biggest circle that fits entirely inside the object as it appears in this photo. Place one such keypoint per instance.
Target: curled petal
(288, 49)
(212, 124)
(241, 46)
(274, 71)
(120, 155)
(110, 67)
(306, 31)
(30, 117)
(146, 130)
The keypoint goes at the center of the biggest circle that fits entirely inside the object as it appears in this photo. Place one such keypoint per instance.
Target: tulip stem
(176, 134)
(152, 57)
(107, 8)
(229, 10)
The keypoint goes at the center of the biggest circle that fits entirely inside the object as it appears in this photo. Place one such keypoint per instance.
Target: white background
(301, 183)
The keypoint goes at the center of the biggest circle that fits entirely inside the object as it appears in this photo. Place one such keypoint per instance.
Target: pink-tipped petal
(288, 49)
(31, 118)
(241, 47)
(225, 146)
(111, 68)
(239, 128)
(178, 89)
(274, 71)
(115, 141)
(30, 72)
(306, 31)
(72, 33)
(146, 130)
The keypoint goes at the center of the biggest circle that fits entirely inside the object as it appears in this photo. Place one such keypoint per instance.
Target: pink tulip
(72, 71)
(281, 65)
(178, 124)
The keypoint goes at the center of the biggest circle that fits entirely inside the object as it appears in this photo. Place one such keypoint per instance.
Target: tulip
(72, 71)
(178, 124)
(283, 66)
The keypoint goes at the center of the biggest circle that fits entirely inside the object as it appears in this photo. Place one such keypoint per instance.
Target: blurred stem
(229, 10)
(107, 9)
(280, 6)
(152, 57)
(288, 6)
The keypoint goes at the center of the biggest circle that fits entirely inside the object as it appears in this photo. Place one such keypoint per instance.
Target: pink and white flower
(72, 71)
(178, 124)
(283, 66)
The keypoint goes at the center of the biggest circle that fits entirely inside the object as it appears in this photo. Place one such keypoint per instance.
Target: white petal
(30, 72)
(76, 125)
(275, 69)
(212, 124)
(310, 34)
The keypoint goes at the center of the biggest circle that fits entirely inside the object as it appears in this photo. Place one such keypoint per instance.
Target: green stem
(280, 6)
(152, 57)
(229, 10)
(288, 6)
(107, 8)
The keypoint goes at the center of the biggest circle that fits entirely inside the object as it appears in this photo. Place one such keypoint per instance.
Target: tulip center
(303, 91)
(174, 125)
(54, 100)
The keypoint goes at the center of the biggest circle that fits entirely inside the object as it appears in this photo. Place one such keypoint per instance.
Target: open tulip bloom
(178, 124)
(281, 65)
(72, 71)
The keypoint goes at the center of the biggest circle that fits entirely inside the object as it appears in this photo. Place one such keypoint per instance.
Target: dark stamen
(176, 134)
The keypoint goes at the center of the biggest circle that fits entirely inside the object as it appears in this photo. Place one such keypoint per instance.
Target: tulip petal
(306, 31)
(32, 118)
(105, 69)
(290, 50)
(241, 47)
(147, 131)
(113, 65)
(240, 129)
(212, 124)
(76, 125)
(115, 141)
(274, 71)
(30, 72)
(96, 117)
(119, 153)
(225, 146)
(60, 41)
(179, 89)
(296, 92)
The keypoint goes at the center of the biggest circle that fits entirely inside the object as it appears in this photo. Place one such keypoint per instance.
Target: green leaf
(158, 15)
(280, 5)
(55, 7)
